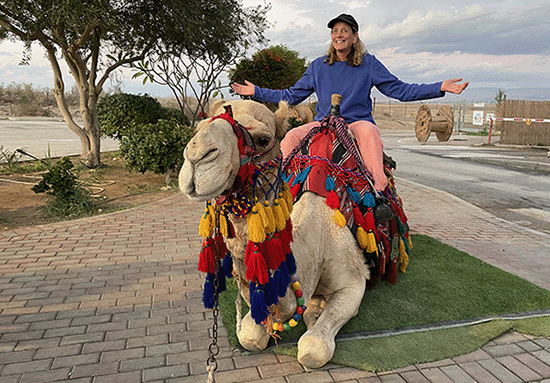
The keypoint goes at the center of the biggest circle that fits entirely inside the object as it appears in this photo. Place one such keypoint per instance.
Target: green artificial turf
(441, 284)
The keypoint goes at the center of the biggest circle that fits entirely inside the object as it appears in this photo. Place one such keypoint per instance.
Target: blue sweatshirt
(353, 83)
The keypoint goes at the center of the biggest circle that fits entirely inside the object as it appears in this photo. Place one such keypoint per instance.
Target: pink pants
(368, 140)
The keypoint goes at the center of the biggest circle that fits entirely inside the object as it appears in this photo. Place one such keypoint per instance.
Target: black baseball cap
(348, 19)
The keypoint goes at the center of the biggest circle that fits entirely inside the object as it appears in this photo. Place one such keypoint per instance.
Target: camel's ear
(281, 119)
(214, 106)
(201, 125)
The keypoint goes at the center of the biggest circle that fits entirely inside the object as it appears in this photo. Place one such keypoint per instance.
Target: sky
(492, 44)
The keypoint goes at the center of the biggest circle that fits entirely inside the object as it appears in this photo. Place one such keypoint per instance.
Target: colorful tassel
(261, 211)
(332, 200)
(284, 206)
(288, 198)
(270, 222)
(256, 231)
(227, 266)
(339, 218)
(207, 258)
(368, 200)
(362, 237)
(280, 220)
(206, 226)
(329, 183)
(371, 243)
(256, 268)
(224, 228)
(358, 217)
(208, 292)
(274, 252)
(258, 305)
(291, 263)
(281, 279)
(271, 297)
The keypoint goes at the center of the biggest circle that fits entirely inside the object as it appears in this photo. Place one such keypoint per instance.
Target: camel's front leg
(251, 336)
(316, 346)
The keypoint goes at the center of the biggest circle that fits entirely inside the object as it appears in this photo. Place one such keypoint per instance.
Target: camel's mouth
(206, 180)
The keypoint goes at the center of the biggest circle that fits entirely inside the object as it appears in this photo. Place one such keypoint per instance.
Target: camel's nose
(201, 151)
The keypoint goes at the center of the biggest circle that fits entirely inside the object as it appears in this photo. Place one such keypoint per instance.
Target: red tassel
(256, 269)
(369, 221)
(358, 217)
(273, 253)
(332, 200)
(207, 261)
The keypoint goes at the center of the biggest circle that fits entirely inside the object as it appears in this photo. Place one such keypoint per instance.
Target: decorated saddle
(327, 163)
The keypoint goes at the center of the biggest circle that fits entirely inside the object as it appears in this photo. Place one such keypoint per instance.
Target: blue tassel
(227, 266)
(271, 297)
(290, 263)
(287, 177)
(355, 197)
(368, 200)
(329, 183)
(281, 279)
(258, 306)
(208, 292)
(221, 281)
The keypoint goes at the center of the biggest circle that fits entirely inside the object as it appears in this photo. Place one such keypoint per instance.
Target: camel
(330, 265)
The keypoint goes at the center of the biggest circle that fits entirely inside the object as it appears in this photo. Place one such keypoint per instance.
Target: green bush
(68, 198)
(157, 147)
(121, 112)
(276, 67)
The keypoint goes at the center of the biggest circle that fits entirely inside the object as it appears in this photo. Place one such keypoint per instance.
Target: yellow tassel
(280, 220)
(371, 243)
(288, 197)
(410, 243)
(362, 237)
(284, 206)
(270, 222)
(223, 225)
(213, 215)
(205, 226)
(339, 218)
(262, 213)
(403, 257)
(256, 232)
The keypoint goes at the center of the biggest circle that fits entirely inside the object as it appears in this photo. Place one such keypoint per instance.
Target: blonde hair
(355, 56)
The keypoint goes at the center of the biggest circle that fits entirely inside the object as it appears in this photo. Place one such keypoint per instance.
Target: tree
(276, 67)
(97, 37)
(192, 71)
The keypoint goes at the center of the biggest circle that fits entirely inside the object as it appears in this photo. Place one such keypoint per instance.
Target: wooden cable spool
(441, 124)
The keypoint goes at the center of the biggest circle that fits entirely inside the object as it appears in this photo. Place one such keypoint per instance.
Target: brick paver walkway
(117, 298)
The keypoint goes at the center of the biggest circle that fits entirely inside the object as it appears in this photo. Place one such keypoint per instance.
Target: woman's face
(343, 38)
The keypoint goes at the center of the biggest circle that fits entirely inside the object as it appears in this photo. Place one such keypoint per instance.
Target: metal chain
(214, 348)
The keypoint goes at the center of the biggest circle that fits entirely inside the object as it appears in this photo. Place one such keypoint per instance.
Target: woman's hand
(452, 86)
(244, 90)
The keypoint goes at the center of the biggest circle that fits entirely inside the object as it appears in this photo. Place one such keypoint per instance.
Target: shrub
(276, 67)
(157, 147)
(68, 198)
(121, 112)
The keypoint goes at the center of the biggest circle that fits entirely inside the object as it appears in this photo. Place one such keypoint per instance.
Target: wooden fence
(525, 132)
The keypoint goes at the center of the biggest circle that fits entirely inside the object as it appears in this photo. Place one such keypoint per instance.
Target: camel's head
(245, 131)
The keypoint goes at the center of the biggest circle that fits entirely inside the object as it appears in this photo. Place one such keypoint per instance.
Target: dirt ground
(113, 183)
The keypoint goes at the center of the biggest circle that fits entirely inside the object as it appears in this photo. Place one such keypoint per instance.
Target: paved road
(43, 137)
(501, 180)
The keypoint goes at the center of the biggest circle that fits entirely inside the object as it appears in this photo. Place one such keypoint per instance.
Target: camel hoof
(252, 337)
(314, 352)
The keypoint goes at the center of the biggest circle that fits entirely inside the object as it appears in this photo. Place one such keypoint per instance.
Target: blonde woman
(349, 70)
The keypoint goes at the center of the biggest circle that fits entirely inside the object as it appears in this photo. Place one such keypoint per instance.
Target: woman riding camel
(350, 71)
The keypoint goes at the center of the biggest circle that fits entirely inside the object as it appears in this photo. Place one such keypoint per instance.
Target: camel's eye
(263, 141)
